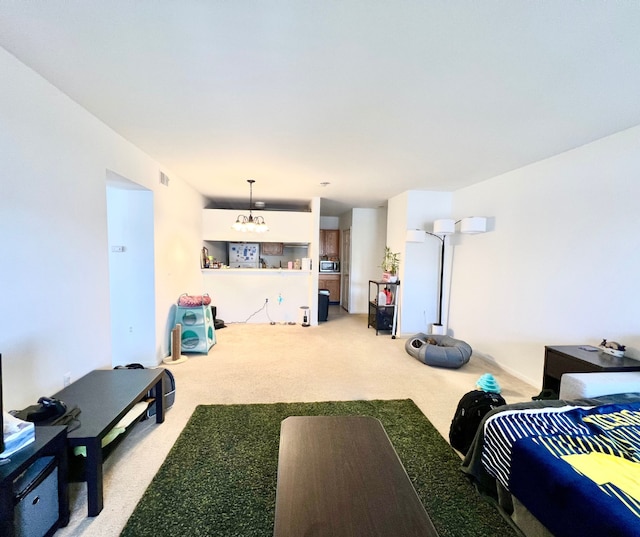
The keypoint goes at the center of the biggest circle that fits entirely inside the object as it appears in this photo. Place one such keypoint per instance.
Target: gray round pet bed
(440, 351)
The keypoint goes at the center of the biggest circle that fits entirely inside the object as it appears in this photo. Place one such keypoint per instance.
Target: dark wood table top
(339, 476)
(104, 396)
(596, 357)
(23, 457)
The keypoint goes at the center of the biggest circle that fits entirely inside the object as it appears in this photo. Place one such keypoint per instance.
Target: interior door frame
(345, 269)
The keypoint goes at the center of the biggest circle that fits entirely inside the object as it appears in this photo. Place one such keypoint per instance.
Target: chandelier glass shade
(250, 223)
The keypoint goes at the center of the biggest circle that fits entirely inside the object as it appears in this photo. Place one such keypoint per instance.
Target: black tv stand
(50, 441)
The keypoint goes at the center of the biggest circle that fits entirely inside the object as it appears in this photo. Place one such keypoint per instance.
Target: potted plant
(390, 265)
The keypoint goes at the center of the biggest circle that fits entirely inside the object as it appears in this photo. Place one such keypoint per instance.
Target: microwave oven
(329, 266)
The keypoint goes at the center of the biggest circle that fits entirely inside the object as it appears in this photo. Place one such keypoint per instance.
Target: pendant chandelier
(250, 223)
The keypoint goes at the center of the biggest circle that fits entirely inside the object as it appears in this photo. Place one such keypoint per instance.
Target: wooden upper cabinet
(330, 243)
(271, 248)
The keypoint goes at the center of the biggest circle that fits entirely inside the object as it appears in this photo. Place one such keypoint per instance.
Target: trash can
(305, 316)
(323, 304)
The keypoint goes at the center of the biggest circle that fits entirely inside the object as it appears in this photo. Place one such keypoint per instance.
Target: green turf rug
(219, 478)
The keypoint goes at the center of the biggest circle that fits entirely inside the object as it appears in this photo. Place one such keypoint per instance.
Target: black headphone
(49, 409)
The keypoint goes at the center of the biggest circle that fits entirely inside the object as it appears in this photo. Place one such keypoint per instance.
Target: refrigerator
(244, 255)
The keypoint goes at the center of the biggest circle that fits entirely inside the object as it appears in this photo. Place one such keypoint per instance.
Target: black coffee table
(104, 397)
(339, 476)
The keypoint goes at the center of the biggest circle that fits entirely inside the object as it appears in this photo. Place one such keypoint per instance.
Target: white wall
(329, 222)
(131, 276)
(239, 295)
(420, 262)
(560, 263)
(53, 226)
(284, 226)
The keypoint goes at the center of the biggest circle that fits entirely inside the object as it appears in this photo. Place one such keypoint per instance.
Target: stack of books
(17, 434)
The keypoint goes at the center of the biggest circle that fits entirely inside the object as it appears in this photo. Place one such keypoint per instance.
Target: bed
(567, 468)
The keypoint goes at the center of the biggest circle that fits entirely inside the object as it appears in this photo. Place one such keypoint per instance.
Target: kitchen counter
(258, 270)
(261, 295)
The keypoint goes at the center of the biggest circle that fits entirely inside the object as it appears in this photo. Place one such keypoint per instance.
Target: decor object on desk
(438, 351)
(390, 265)
(613, 348)
(249, 223)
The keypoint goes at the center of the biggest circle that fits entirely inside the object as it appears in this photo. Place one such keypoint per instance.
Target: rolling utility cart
(383, 306)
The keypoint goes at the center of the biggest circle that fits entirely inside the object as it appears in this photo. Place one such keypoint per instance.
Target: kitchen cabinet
(332, 283)
(330, 243)
(271, 248)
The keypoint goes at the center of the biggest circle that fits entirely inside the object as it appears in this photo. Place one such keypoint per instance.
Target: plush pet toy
(417, 343)
(612, 345)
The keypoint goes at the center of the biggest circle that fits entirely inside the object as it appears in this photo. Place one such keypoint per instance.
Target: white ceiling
(374, 97)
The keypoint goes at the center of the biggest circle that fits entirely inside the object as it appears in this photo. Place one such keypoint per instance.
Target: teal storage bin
(198, 332)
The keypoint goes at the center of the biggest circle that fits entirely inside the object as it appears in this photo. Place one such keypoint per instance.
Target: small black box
(35, 495)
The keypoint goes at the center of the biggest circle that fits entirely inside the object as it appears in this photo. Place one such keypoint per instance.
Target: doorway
(131, 271)
(345, 264)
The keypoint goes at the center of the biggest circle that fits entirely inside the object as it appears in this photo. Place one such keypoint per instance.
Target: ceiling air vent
(164, 179)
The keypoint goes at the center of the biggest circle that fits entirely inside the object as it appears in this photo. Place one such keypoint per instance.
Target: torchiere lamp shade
(473, 224)
(444, 226)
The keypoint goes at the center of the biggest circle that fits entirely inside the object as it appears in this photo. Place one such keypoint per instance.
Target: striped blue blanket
(577, 469)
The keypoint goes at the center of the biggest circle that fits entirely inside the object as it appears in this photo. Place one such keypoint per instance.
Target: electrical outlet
(66, 379)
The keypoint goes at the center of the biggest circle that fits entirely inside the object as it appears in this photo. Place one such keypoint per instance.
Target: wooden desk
(50, 441)
(562, 359)
(339, 476)
(104, 397)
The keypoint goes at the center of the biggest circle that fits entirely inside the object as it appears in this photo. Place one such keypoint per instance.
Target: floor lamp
(442, 228)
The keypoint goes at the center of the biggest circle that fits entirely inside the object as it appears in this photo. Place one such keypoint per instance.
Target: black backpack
(168, 387)
(471, 409)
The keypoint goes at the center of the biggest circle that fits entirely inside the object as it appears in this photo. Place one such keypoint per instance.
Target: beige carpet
(341, 359)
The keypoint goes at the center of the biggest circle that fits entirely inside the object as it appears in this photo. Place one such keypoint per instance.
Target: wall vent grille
(164, 179)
